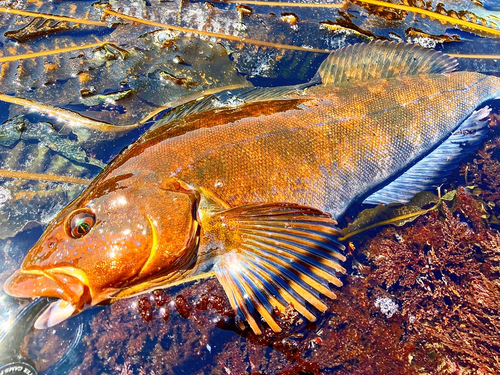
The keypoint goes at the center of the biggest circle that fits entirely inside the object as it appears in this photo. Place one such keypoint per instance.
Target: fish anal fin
(276, 255)
(382, 59)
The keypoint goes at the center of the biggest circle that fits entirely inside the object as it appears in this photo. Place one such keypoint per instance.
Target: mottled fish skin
(323, 149)
(248, 192)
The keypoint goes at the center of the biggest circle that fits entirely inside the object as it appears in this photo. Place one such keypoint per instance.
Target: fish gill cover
(80, 80)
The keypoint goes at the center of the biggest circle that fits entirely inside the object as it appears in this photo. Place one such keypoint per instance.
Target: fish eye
(80, 222)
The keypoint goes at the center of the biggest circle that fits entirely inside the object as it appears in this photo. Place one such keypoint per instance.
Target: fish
(246, 185)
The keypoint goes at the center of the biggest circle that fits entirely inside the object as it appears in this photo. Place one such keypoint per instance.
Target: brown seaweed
(39, 27)
(444, 270)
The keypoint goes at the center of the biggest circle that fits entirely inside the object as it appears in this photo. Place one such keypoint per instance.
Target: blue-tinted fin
(433, 168)
(381, 59)
(284, 254)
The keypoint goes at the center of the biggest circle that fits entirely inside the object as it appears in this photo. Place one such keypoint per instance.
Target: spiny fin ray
(278, 254)
(381, 59)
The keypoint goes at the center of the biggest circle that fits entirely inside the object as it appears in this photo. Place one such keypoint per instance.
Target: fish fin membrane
(282, 254)
(178, 113)
(232, 99)
(437, 165)
(381, 59)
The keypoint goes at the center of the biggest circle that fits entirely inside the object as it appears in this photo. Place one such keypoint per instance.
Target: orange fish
(245, 185)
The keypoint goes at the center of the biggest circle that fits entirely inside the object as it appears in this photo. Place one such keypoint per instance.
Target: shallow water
(405, 313)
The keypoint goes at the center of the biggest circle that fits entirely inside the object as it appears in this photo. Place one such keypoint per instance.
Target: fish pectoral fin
(277, 254)
(379, 60)
(56, 313)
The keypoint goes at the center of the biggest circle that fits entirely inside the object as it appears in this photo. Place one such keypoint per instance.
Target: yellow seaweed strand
(388, 221)
(73, 118)
(217, 35)
(51, 17)
(43, 177)
(50, 52)
(284, 4)
(432, 14)
(458, 55)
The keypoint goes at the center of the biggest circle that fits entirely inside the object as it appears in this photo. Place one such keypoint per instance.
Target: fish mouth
(66, 283)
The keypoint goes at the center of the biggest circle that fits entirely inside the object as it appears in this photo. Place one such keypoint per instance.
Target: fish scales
(329, 149)
(248, 192)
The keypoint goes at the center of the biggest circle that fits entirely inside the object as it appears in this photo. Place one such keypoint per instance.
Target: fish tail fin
(278, 254)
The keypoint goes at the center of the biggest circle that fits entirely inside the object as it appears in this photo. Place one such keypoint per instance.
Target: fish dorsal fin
(382, 59)
(231, 99)
(437, 165)
(277, 254)
(202, 104)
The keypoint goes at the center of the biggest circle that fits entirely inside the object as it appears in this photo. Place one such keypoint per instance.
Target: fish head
(105, 243)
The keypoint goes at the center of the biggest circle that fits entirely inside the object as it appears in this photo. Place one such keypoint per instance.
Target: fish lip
(57, 283)
(13, 285)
